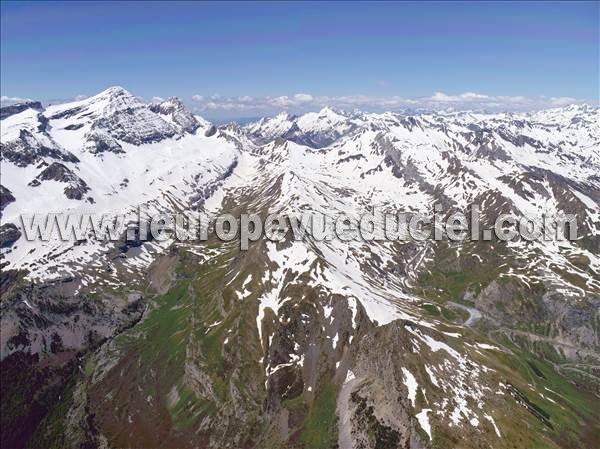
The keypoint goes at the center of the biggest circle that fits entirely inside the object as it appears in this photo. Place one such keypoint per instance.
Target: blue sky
(238, 59)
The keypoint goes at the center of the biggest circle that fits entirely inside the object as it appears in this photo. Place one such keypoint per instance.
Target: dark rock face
(296, 135)
(58, 172)
(210, 131)
(29, 149)
(102, 143)
(519, 140)
(49, 317)
(74, 127)
(8, 278)
(66, 113)
(9, 234)
(7, 111)
(6, 197)
(132, 238)
(199, 198)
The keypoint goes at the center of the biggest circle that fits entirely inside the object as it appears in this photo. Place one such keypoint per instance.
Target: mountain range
(301, 343)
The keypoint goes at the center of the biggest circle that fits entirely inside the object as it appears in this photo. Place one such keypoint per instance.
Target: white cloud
(467, 96)
(283, 101)
(12, 100)
(301, 102)
(562, 101)
(303, 97)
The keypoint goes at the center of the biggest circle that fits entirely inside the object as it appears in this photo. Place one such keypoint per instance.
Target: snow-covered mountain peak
(174, 111)
(116, 115)
(270, 127)
(114, 90)
(107, 102)
(331, 113)
(325, 117)
(284, 115)
(282, 119)
(171, 104)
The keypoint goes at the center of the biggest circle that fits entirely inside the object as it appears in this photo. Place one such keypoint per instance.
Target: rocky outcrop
(48, 318)
(100, 142)
(136, 126)
(210, 131)
(6, 197)
(177, 113)
(7, 111)
(56, 171)
(31, 148)
(9, 234)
